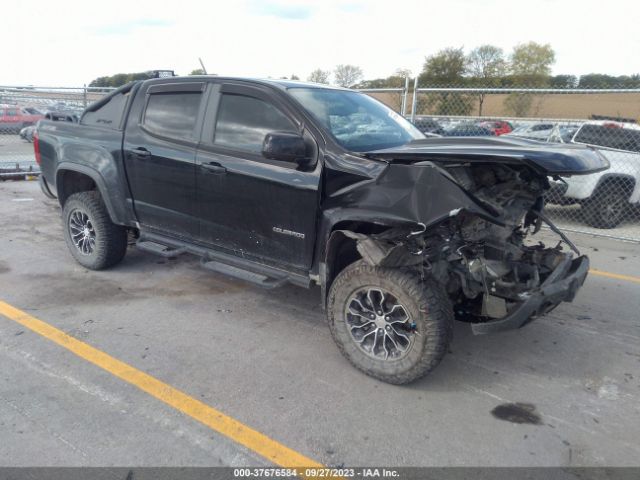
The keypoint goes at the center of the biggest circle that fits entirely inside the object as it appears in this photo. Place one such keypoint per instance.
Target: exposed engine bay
(489, 264)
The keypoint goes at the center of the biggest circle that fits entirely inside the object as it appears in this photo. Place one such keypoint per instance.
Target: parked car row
(22, 120)
(13, 118)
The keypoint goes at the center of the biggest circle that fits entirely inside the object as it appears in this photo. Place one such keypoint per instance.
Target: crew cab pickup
(275, 181)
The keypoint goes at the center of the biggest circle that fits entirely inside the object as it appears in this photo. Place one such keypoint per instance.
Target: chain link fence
(21, 108)
(394, 98)
(606, 203)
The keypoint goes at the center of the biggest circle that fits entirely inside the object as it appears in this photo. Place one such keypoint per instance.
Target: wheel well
(70, 182)
(624, 183)
(342, 251)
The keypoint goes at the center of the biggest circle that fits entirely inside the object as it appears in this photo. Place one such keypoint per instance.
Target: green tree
(599, 80)
(530, 67)
(319, 76)
(486, 66)
(394, 81)
(197, 71)
(532, 60)
(563, 81)
(446, 68)
(118, 79)
(486, 62)
(347, 75)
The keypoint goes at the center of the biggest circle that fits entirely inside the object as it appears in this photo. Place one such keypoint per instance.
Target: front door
(260, 209)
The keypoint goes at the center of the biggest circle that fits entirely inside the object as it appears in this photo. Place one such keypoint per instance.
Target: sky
(69, 42)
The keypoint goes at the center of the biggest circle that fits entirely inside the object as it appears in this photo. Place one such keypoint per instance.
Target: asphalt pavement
(563, 391)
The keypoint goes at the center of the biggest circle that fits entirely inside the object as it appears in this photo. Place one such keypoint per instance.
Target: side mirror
(285, 146)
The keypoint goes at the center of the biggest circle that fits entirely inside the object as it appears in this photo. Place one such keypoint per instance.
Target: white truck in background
(605, 197)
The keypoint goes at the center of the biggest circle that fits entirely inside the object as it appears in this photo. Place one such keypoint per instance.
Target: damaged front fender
(402, 201)
(422, 194)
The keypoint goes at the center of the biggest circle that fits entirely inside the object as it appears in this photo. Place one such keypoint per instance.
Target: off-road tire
(428, 306)
(110, 239)
(607, 208)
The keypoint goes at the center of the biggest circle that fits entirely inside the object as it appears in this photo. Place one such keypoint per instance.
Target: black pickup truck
(274, 182)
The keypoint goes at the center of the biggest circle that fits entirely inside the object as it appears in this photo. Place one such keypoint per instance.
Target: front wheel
(93, 239)
(607, 208)
(389, 323)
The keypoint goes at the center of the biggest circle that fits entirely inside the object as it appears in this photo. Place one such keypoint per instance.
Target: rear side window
(109, 115)
(244, 121)
(172, 114)
(609, 137)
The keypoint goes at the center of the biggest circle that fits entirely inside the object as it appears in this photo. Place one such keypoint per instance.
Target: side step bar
(246, 275)
(159, 249)
(250, 271)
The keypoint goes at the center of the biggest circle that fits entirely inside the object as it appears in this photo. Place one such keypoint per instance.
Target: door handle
(141, 152)
(214, 167)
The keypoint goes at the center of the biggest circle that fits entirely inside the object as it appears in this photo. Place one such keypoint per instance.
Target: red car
(498, 127)
(13, 119)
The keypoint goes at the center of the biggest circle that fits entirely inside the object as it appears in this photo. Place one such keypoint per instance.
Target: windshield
(357, 122)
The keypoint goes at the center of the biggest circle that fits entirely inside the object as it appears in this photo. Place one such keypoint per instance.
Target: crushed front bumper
(560, 286)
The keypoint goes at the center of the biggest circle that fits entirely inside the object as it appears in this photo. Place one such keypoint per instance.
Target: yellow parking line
(617, 276)
(270, 449)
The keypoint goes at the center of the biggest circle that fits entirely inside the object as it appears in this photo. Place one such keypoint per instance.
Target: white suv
(605, 197)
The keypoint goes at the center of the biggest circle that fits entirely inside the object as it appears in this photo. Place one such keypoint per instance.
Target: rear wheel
(389, 323)
(93, 239)
(607, 208)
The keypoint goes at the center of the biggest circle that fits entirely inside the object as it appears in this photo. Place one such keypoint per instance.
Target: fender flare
(332, 237)
(116, 214)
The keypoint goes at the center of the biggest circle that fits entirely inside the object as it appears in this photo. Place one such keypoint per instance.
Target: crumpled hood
(548, 158)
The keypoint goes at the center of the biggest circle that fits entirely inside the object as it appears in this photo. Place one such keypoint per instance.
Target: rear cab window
(173, 110)
(172, 114)
(609, 136)
(110, 115)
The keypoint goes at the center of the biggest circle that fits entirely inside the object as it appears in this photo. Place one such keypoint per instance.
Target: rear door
(262, 209)
(159, 151)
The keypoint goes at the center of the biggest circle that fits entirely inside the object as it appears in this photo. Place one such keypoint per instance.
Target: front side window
(172, 114)
(244, 121)
(358, 122)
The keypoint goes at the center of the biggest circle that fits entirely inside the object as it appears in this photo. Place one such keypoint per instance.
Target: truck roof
(281, 83)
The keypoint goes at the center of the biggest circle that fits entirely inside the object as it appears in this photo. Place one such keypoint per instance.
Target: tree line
(528, 65)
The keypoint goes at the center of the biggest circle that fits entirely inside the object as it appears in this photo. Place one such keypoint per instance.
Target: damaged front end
(472, 229)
